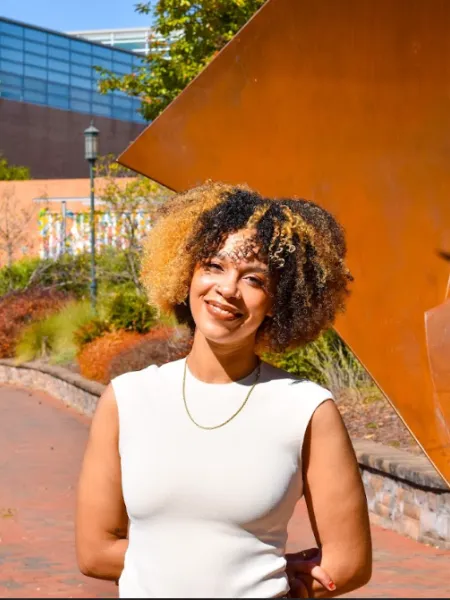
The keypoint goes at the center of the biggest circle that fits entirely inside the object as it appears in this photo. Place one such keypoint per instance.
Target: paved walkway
(41, 445)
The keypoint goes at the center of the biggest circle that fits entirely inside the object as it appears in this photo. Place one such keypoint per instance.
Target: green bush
(328, 362)
(16, 277)
(90, 331)
(71, 273)
(129, 309)
(53, 338)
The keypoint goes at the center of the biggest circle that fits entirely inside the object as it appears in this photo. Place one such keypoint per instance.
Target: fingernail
(331, 586)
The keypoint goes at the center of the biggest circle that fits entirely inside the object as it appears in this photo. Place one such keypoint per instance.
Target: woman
(193, 469)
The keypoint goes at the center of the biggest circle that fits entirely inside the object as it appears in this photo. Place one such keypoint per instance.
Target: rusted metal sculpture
(348, 104)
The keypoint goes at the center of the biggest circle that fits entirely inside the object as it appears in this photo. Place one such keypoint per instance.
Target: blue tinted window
(101, 98)
(34, 59)
(11, 67)
(9, 79)
(124, 59)
(121, 69)
(58, 40)
(11, 28)
(11, 42)
(80, 106)
(120, 113)
(104, 111)
(101, 62)
(122, 102)
(57, 77)
(10, 92)
(58, 65)
(58, 88)
(58, 101)
(81, 71)
(79, 94)
(81, 59)
(12, 54)
(58, 53)
(36, 48)
(36, 35)
(80, 82)
(102, 52)
(138, 61)
(35, 72)
(79, 46)
(32, 96)
(35, 84)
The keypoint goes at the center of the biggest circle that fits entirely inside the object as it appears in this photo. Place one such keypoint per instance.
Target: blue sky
(73, 15)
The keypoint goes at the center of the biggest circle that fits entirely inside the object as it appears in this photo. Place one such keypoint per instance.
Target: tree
(12, 172)
(14, 221)
(186, 35)
(127, 195)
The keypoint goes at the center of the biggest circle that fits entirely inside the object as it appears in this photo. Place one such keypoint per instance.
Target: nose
(228, 287)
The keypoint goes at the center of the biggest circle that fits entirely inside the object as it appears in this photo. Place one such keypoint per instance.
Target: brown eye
(256, 281)
(213, 266)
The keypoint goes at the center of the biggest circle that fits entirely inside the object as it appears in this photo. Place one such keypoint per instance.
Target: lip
(222, 311)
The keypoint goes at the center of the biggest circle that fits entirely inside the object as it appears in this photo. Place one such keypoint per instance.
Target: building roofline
(66, 35)
(116, 30)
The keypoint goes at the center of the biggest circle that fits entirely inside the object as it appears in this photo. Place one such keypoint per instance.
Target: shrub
(328, 362)
(128, 309)
(118, 352)
(95, 357)
(159, 346)
(71, 273)
(89, 331)
(17, 276)
(53, 337)
(19, 309)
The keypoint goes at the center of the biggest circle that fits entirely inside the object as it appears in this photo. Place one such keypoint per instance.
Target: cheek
(200, 284)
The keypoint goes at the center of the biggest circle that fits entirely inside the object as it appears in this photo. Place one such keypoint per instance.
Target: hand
(304, 567)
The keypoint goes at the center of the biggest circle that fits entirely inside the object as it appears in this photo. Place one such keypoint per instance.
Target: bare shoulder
(106, 417)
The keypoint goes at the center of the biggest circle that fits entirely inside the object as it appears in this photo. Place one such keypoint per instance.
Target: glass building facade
(57, 70)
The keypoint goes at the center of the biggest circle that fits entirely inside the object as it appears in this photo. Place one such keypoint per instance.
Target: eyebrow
(249, 266)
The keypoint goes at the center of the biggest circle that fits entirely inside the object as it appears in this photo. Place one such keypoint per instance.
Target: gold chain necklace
(258, 373)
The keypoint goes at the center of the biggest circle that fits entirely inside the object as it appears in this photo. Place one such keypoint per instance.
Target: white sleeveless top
(209, 509)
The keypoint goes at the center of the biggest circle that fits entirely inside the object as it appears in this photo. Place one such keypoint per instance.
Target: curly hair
(302, 244)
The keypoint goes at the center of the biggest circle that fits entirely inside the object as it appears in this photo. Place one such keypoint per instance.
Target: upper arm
(101, 513)
(335, 495)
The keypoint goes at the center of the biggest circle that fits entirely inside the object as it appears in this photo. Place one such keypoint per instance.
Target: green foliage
(328, 362)
(12, 172)
(17, 276)
(130, 311)
(90, 331)
(19, 309)
(187, 34)
(53, 338)
(69, 273)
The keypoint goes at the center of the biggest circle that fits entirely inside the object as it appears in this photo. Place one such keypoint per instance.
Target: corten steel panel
(348, 104)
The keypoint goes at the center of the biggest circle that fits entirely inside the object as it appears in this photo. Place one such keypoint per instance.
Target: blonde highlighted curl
(302, 243)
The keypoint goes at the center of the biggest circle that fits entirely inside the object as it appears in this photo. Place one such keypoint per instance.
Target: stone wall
(404, 492)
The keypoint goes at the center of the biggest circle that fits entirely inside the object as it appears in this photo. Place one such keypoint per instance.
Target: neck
(217, 363)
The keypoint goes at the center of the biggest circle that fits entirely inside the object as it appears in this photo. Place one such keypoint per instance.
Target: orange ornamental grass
(120, 351)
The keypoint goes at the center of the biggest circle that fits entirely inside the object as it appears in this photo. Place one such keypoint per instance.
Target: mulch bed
(375, 419)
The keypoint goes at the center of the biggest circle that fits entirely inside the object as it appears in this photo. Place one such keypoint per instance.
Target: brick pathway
(41, 445)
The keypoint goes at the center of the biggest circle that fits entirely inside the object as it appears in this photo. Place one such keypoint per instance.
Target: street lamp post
(91, 154)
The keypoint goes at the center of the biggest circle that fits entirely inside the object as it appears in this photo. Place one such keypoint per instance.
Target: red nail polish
(331, 586)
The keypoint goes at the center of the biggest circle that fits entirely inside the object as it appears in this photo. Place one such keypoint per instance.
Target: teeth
(222, 311)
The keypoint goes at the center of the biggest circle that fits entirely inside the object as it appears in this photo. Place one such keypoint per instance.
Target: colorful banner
(72, 234)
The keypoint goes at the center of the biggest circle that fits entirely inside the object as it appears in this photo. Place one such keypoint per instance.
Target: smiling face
(231, 293)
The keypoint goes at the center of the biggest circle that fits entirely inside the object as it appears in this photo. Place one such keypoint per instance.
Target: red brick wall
(50, 141)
